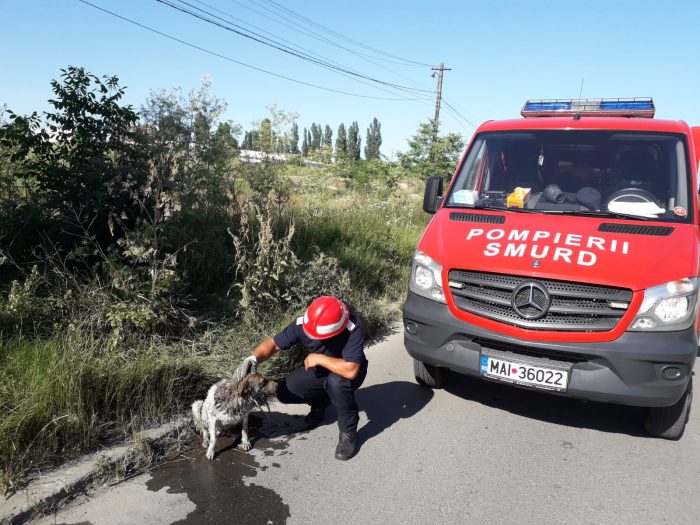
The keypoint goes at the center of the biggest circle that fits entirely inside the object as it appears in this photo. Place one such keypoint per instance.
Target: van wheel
(669, 422)
(429, 375)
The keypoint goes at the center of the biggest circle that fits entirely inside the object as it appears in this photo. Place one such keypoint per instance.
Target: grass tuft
(58, 399)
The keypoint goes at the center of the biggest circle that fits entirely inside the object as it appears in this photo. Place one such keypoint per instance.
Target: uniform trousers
(317, 385)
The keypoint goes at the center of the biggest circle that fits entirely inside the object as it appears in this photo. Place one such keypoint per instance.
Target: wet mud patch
(221, 489)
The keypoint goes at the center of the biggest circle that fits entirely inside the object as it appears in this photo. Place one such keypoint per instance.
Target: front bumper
(626, 371)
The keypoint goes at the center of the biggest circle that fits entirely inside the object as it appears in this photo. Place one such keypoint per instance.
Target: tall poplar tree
(315, 136)
(305, 144)
(374, 140)
(341, 142)
(294, 139)
(354, 142)
(328, 136)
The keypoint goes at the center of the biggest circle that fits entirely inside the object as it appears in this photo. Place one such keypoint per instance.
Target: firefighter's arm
(266, 350)
(343, 368)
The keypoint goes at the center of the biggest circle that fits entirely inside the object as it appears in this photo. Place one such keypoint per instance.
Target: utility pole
(440, 71)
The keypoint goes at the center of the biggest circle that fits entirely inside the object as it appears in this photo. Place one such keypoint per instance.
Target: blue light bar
(622, 105)
(604, 107)
(547, 105)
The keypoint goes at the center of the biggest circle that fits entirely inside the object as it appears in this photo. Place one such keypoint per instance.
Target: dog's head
(197, 415)
(255, 386)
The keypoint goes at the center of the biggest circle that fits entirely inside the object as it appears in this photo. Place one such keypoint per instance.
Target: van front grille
(572, 306)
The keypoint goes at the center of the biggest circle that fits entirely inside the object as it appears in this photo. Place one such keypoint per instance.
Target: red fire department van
(564, 257)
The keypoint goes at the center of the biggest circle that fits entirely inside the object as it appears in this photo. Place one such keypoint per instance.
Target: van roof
(602, 123)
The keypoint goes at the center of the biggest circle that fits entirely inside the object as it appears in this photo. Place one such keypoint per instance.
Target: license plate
(524, 374)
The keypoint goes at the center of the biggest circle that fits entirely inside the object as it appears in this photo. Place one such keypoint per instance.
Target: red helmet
(325, 317)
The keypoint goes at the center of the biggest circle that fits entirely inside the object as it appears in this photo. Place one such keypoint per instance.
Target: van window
(631, 174)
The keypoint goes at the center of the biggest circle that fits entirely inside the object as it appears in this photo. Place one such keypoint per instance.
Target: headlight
(426, 278)
(670, 306)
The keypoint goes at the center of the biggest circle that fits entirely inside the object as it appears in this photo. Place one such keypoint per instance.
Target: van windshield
(626, 174)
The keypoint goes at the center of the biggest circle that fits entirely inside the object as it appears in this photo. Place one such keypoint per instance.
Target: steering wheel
(633, 195)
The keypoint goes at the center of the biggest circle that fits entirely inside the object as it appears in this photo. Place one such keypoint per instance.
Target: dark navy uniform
(317, 384)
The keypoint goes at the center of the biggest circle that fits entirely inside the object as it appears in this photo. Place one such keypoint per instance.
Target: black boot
(347, 444)
(316, 414)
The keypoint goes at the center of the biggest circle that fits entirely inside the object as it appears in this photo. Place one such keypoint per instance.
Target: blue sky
(501, 53)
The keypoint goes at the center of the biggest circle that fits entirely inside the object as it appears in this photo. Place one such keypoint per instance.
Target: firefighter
(334, 368)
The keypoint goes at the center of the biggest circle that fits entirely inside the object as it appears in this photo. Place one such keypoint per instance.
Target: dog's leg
(245, 443)
(199, 422)
(212, 438)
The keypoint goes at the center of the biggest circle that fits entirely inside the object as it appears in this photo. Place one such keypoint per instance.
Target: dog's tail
(197, 413)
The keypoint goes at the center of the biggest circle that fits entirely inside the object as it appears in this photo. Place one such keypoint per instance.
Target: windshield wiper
(502, 208)
(588, 213)
(613, 214)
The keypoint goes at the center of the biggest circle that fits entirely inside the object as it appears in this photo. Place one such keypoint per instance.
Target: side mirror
(433, 194)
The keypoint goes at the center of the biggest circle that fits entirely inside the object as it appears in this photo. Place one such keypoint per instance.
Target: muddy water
(224, 490)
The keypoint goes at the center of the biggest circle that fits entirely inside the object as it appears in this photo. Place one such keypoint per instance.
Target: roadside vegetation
(141, 258)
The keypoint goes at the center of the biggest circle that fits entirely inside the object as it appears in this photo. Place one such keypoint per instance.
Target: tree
(354, 142)
(341, 142)
(86, 157)
(427, 157)
(247, 141)
(266, 138)
(294, 139)
(305, 144)
(327, 144)
(328, 136)
(282, 125)
(374, 140)
(315, 143)
(224, 142)
(254, 137)
(191, 150)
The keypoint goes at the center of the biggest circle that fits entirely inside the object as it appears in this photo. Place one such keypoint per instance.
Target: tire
(429, 375)
(669, 422)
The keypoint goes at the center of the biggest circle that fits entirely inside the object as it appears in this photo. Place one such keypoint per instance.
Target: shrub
(263, 261)
(129, 293)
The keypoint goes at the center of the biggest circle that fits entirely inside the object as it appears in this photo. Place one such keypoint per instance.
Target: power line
(303, 30)
(466, 114)
(267, 42)
(229, 59)
(339, 69)
(299, 28)
(229, 15)
(471, 123)
(467, 128)
(343, 37)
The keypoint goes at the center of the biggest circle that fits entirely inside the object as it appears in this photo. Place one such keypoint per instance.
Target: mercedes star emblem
(531, 300)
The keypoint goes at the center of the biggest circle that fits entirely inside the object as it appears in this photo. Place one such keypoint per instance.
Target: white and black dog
(228, 403)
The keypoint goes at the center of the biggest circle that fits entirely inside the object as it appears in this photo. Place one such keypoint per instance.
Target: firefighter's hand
(250, 364)
(311, 361)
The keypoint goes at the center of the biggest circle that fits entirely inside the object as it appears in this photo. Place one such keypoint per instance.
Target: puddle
(222, 489)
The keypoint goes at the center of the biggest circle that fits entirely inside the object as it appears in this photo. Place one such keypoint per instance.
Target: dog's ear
(249, 384)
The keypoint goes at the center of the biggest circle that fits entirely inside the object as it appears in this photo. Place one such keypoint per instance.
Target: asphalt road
(473, 453)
